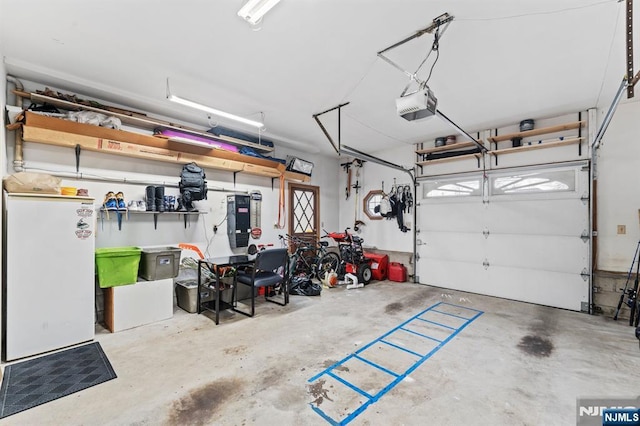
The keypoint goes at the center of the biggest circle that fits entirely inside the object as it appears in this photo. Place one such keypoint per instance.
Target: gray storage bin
(159, 263)
(188, 298)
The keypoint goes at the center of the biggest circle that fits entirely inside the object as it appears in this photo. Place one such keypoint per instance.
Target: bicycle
(311, 259)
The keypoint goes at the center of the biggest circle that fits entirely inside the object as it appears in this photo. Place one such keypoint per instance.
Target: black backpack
(193, 186)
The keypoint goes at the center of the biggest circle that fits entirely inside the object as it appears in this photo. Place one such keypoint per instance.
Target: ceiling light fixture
(210, 110)
(254, 10)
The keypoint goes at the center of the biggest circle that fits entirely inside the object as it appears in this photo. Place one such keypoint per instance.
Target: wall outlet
(622, 229)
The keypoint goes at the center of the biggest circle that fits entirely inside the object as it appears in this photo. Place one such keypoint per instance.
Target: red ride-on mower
(352, 258)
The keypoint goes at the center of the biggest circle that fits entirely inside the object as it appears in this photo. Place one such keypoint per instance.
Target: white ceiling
(500, 61)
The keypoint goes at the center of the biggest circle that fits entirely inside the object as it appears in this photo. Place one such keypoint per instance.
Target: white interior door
(526, 243)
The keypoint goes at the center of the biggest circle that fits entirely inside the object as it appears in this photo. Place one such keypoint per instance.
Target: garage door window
(465, 187)
(534, 182)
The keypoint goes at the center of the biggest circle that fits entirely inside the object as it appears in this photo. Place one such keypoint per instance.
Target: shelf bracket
(495, 154)
(185, 217)
(272, 181)
(478, 158)
(78, 150)
(155, 221)
(234, 178)
(580, 134)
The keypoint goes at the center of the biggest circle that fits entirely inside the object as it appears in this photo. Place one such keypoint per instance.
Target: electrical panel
(238, 220)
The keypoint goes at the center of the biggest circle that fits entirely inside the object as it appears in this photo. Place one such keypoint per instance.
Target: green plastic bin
(117, 265)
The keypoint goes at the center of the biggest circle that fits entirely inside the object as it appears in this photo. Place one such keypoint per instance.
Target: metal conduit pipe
(16, 82)
(593, 179)
(96, 178)
(18, 161)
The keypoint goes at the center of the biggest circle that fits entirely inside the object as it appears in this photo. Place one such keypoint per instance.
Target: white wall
(381, 234)
(619, 188)
(139, 230)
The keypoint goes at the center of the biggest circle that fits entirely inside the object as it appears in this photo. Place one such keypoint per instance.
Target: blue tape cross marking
(398, 377)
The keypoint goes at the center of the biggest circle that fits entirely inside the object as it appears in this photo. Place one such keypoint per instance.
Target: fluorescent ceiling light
(192, 142)
(201, 107)
(254, 10)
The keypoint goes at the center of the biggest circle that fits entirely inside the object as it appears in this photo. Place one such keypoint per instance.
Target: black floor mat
(40, 380)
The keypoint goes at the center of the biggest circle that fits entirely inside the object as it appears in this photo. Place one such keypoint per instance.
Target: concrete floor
(515, 364)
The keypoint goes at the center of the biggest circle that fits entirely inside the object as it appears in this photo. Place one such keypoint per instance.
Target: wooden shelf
(452, 147)
(120, 213)
(216, 159)
(171, 212)
(137, 120)
(448, 159)
(536, 132)
(549, 144)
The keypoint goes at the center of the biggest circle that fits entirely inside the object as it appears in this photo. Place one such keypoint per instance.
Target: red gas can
(379, 265)
(397, 272)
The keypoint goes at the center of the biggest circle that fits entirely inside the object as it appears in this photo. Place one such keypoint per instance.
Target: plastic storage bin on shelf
(117, 265)
(158, 263)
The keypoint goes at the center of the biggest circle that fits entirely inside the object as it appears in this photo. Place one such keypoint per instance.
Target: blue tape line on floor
(349, 385)
(436, 323)
(450, 314)
(409, 351)
(421, 335)
(379, 367)
(398, 377)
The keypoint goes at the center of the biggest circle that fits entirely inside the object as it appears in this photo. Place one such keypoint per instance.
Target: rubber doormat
(37, 381)
(352, 384)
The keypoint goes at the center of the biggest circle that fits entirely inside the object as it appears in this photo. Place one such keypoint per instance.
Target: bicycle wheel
(327, 263)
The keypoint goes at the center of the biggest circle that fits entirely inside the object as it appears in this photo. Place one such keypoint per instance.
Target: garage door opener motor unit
(238, 220)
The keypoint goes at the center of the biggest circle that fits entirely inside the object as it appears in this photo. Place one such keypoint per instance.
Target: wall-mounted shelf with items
(529, 145)
(59, 132)
(133, 118)
(119, 214)
(454, 153)
(551, 136)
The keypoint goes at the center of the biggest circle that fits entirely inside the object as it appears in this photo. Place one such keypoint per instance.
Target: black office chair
(264, 273)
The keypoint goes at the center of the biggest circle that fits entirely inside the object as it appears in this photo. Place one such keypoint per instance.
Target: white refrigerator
(49, 285)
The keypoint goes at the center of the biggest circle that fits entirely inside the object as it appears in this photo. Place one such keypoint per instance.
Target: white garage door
(518, 234)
